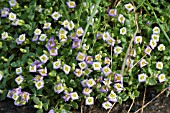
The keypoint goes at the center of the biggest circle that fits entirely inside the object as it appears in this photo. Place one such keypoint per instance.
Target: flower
(152, 43)
(39, 84)
(12, 2)
(133, 52)
(4, 12)
(4, 35)
(12, 16)
(121, 19)
(42, 37)
(66, 68)
(66, 97)
(51, 42)
(85, 47)
(90, 83)
(161, 47)
(47, 25)
(43, 72)
(87, 91)
(96, 65)
(106, 105)
(37, 63)
(62, 31)
(70, 26)
(71, 4)
(129, 7)
(53, 51)
(117, 50)
(33, 68)
(15, 96)
(79, 32)
(104, 88)
(89, 101)
(83, 82)
(80, 56)
(18, 70)
(155, 37)
(156, 30)
(148, 50)
(161, 78)
(99, 36)
(56, 15)
(110, 41)
(107, 61)
(143, 63)
(159, 65)
(78, 72)
(62, 37)
(51, 111)
(35, 38)
(98, 57)
(107, 82)
(21, 38)
(19, 80)
(57, 64)
(105, 36)
(82, 65)
(65, 23)
(142, 77)
(106, 70)
(112, 12)
(118, 78)
(112, 97)
(58, 88)
(15, 22)
(37, 32)
(89, 59)
(25, 96)
(76, 43)
(38, 78)
(118, 86)
(73, 35)
(138, 39)
(129, 62)
(44, 58)
(123, 31)
(74, 96)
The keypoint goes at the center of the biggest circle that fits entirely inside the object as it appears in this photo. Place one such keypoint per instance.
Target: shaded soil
(160, 105)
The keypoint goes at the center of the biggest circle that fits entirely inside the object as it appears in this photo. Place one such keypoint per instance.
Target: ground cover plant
(61, 55)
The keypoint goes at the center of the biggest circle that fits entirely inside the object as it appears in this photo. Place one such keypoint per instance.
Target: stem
(143, 102)
(65, 10)
(88, 23)
(111, 107)
(151, 100)
(131, 105)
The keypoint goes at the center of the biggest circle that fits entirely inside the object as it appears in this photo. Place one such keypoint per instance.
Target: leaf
(14, 64)
(74, 105)
(45, 105)
(151, 81)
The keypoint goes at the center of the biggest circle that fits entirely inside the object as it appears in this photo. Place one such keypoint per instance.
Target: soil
(160, 105)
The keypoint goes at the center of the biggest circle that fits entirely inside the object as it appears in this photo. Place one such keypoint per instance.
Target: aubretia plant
(60, 54)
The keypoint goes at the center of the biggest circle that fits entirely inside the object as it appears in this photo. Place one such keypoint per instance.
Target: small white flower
(37, 32)
(98, 57)
(65, 23)
(112, 96)
(159, 65)
(155, 37)
(47, 25)
(133, 52)
(56, 15)
(33, 68)
(44, 58)
(83, 82)
(66, 68)
(106, 105)
(118, 87)
(161, 78)
(148, 50)
(138, 39)
(58, 88)
(12, 16)
(90, 83)
(78, 72)
(142, 77)
(89, 101)
(19, 80)
(80, 56)
(71, 4)
(129, 62)
(96, 65)
(117, 50)
(123, 31)
(62, 37)
(121, 19)
(80, 31)
(42, 37)
(57, 64)
(153, 44)
(18, 70)
(129, 7)
(21, 38)
(143, 63)
(106, 70)
(74, 96)
(39, 84)
(156, 30)
(4, 35)
(85, 47)
(82, 65)
(15, 96)
(161, 47)
(106, 36)
(62, 31)
(92, 9)
(70, 26)
(107, 82)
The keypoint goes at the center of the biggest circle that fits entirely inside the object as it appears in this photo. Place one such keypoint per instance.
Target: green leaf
(14, 64)
(45, 105)
(151, 81)
(74, 105)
